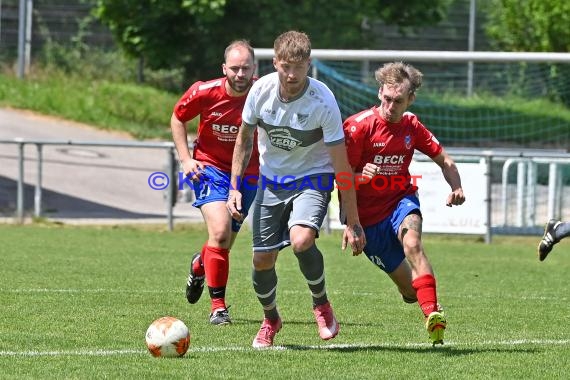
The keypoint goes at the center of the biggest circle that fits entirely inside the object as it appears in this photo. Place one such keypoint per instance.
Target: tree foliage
(529, 25)
(534, 26)
(193, 33)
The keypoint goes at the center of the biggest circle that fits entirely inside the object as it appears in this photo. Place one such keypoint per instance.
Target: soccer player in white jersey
(380, 143)
(301, 147)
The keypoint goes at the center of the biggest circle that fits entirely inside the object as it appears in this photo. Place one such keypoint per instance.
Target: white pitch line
(101, 352)
(360, 294)
(72, 353)
(46, 290)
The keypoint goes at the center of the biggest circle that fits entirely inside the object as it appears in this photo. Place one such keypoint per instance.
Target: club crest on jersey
(281, 138)
(408, 142)
(301, 118)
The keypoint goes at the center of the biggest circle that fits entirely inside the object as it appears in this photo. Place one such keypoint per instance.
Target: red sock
(217, 267)
(425, 291)
(198, 265)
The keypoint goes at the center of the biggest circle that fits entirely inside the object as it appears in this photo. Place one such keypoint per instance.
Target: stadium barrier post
(20, 194)
(38, 190)
(171, 187)
(488, 199)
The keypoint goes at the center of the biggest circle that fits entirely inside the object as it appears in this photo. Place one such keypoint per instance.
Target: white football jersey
(292, 136)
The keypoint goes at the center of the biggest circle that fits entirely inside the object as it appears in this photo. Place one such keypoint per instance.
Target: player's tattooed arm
(357, 229)
(241, 155)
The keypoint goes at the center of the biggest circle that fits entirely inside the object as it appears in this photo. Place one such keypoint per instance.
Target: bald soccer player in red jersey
(219, 104)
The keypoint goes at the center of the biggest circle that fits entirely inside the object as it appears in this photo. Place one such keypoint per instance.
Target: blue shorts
(214, 187)
(382, 245)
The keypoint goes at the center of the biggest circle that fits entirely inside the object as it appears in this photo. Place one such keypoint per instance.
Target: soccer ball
(167, 337)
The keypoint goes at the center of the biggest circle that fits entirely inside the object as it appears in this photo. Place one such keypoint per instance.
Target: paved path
(82, 184)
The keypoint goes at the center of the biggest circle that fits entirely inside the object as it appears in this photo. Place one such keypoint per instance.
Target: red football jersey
(220, 120)
(371, 139)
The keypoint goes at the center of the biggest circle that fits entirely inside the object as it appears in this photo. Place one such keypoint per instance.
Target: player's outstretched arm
(191, 168)
(240, 159)
(451, 175)
(353, 233)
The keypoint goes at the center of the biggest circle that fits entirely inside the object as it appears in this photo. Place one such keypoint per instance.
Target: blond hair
(292, 46)
(396, 73)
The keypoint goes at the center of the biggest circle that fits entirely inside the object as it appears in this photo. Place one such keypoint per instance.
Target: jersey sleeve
(426, 141)
(354, 137)
(189, 105)
(332, 122)
(249, 112)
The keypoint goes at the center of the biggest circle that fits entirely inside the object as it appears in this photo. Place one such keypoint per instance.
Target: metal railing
(39, 144)
(508, 156)
(526, 188)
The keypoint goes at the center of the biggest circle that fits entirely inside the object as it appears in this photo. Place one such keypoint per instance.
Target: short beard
(236, 89)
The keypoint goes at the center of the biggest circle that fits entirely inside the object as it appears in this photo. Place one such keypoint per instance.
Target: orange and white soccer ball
(167, 337)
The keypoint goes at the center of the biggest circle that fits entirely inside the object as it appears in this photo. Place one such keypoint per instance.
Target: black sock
(265, 286)
(312, 266)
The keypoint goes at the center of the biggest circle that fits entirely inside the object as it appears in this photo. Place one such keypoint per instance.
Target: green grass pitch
(75, 303)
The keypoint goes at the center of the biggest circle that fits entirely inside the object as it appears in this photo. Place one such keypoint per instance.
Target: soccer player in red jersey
(380, 143)
(218, 103)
